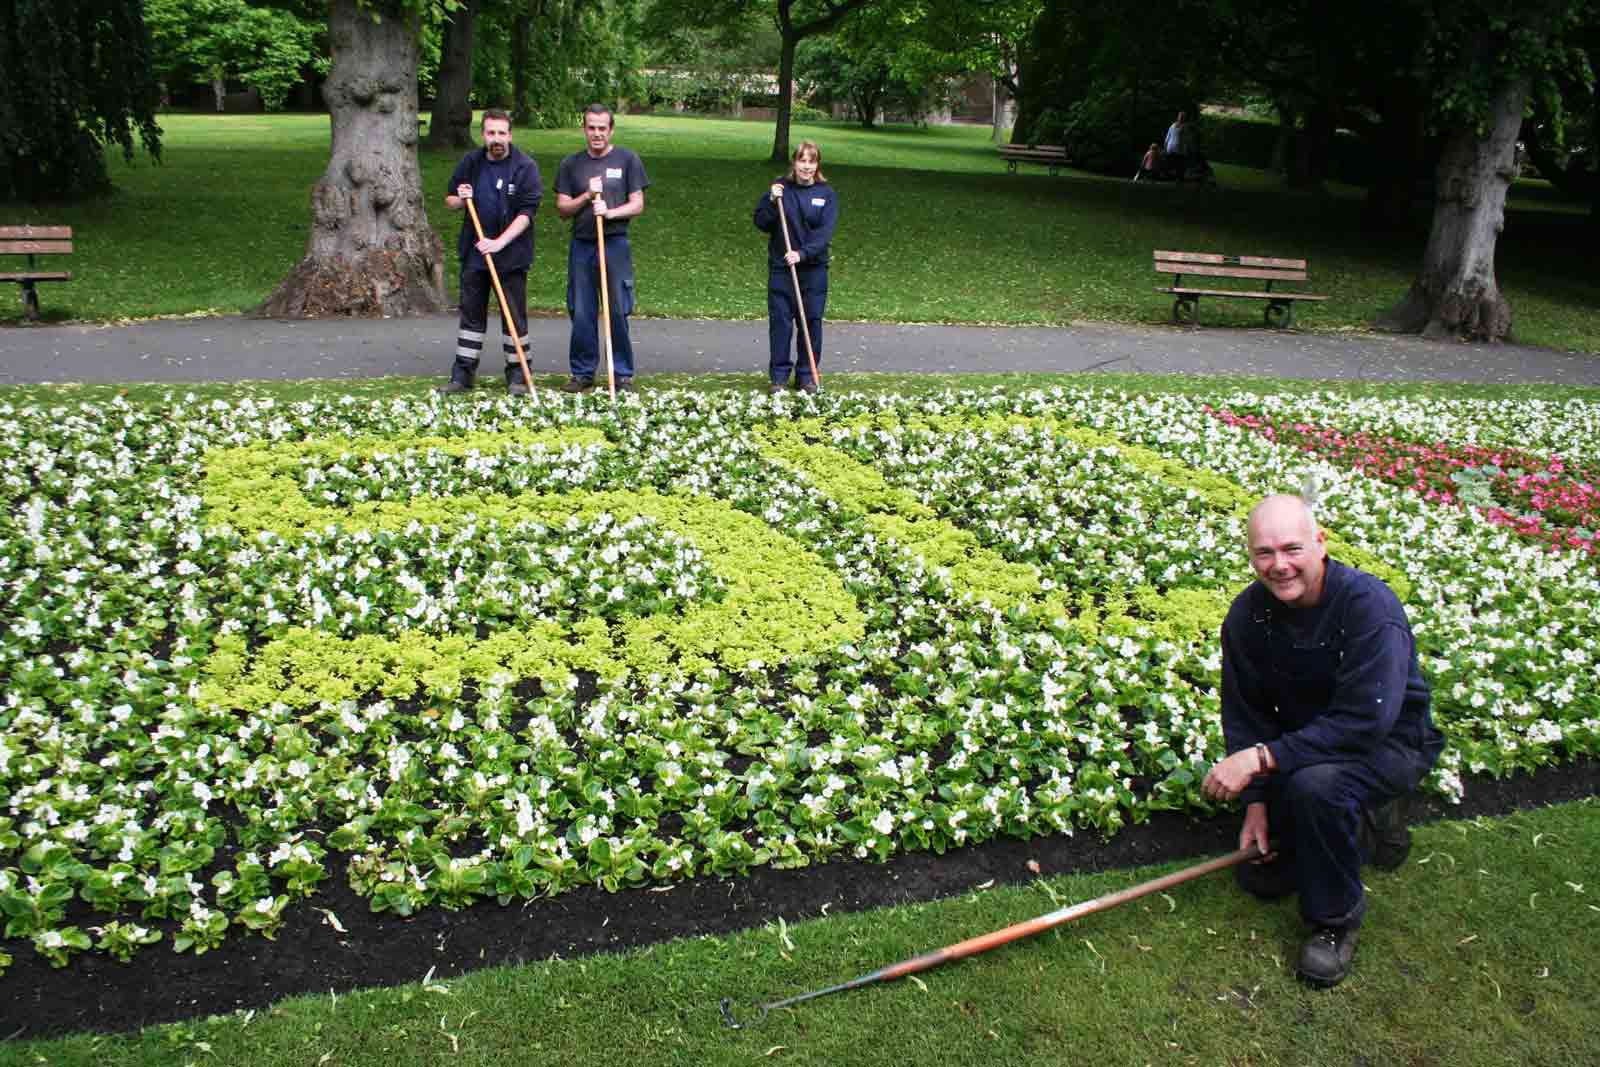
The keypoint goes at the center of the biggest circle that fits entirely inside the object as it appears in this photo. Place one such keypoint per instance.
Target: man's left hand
(1228, 777)
(489, 246)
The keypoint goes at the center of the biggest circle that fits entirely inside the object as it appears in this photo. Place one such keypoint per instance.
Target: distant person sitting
(1151, 160)
(1176, 147)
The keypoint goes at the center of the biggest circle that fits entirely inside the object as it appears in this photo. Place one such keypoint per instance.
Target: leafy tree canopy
(75, 77)
(266, 48)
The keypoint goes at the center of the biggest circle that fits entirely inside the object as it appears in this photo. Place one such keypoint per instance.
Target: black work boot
(576, 384)
(1384, 836)
(462, 374)
(1326, 955)
(515, 383)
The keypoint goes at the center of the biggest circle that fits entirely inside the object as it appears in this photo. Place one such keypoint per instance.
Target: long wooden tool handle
(799, 301)
(972, 946)
(1015, 932)
(505, 308)
(605, 304)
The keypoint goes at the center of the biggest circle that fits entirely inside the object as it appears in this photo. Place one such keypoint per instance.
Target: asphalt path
(234, 348)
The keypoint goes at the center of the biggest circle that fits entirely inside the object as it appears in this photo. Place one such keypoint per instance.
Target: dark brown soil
(98, 994)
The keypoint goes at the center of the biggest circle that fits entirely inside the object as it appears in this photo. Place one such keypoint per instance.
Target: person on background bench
(807, 201)
(1326, 719)
(1147, 165)
(505, 186)
(1176, 147)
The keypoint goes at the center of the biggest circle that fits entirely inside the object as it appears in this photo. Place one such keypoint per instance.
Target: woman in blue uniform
(809, 205)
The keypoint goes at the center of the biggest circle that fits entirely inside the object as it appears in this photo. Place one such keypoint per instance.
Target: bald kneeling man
(1326, 719)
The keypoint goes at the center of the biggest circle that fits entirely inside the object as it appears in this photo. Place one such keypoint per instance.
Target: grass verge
(932, 230)
(1481, 951)
(841, 382)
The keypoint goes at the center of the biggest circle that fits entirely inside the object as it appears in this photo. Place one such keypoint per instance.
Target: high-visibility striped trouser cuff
(469, 344)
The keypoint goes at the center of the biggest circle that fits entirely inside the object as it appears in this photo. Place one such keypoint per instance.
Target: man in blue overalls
(608, 182)
(1326, 718)
(504, 184)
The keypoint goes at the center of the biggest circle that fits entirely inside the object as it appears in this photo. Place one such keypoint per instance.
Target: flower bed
(457, 652)
(1537, 496)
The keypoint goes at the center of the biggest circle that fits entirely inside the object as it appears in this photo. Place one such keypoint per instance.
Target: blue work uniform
(812, 212)
(1336, 694)
(501, 190)
(622, 174)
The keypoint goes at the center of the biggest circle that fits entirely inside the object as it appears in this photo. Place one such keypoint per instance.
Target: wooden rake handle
(505, 308)
(799, 301)
(605, 304)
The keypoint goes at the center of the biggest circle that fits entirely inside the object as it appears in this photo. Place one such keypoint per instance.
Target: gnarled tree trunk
(1398, 138)
(1456, 294)
(371, 251)
(451, 124)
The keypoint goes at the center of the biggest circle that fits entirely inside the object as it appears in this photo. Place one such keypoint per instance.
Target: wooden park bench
(1054, 155)
(1263, 269)
(34, 241)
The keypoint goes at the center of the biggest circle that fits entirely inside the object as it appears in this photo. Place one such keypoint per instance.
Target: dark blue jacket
(1327, 683)
(501, 191)
(812, 211)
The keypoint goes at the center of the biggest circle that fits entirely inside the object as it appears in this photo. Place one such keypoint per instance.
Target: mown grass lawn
(932, 230)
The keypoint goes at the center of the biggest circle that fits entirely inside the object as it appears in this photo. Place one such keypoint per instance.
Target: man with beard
(504, 184)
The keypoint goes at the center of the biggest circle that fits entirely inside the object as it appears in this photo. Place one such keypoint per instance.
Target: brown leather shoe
(578, 385)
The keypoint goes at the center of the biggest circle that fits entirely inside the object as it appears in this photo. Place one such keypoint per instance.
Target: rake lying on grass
(1015, 932)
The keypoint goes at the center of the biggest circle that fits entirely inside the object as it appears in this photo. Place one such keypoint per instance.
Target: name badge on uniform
(817, 201)
(614, 172)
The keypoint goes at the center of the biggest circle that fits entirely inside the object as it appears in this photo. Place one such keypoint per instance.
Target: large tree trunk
(780, 134)
(1456, 295)
(1399, 142)
(371, 250)
(521, 45)
(451, 125)
(792, 35)
(1312, 148)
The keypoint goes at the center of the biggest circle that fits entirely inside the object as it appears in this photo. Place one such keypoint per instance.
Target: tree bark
(1399, 141)
(792, 35)
(521, 44)
(371, 251)
(451, 125)
(780, 133)
(1456, 294)
(1312, 148)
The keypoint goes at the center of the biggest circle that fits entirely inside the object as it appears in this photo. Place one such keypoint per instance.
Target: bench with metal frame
(34, 241)
(1054, 155)
(1279, 311)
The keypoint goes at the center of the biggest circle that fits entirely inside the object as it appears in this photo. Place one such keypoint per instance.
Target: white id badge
(817, 201)
(614, 172)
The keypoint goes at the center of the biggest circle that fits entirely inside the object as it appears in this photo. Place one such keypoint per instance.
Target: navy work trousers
(786, 346)
(583, 304)
(476, 291)
(1314, 817)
